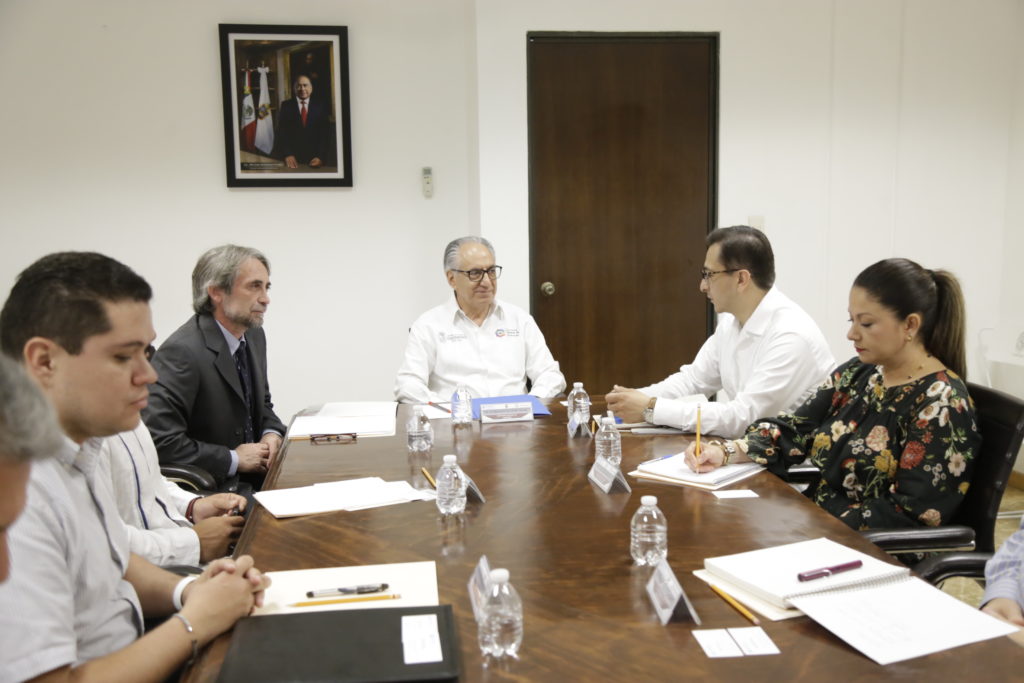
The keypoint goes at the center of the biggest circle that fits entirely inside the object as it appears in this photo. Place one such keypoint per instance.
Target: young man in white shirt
(73, 607)
(166, 524)
(766, 353)
(474, 338)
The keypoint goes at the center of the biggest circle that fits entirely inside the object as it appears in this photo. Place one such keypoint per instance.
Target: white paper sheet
(415, 582)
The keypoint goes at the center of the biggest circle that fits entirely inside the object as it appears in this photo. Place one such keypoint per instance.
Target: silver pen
(348, 590)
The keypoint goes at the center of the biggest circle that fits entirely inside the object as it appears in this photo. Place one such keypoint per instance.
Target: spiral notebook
(879, 608)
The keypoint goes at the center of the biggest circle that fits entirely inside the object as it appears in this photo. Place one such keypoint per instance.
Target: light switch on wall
(428, 182)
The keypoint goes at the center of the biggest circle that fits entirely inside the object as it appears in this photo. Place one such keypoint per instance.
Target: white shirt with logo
(446, 348)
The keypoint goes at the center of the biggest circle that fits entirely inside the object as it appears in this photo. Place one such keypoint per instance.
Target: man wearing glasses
(766, 353)
(475, 339)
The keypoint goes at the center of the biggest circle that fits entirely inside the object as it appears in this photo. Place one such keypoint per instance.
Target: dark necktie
(242, 365)
(303, 113)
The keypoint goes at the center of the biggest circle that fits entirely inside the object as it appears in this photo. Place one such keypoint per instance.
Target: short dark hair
(905, 287)
(61, 297)
(746, 248)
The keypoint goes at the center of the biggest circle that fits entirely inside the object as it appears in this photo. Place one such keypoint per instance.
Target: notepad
(365, 418)
(674, 470)
(880, 609)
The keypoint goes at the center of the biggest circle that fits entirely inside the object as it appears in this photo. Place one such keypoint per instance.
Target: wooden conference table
(566, 544)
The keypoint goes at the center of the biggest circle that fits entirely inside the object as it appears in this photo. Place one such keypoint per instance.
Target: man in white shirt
(474, 339)
(158, 514)
(73, 606)
(766, 354)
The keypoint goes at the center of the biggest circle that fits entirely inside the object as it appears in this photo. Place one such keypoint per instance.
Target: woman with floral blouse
(892, 430)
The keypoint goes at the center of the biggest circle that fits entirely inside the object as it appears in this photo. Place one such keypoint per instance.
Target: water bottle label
(608, 477)
(668, 597)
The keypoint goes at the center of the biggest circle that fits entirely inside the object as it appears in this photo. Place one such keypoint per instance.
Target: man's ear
(42, 358)
(743, 279)
(450, 275)
(216, 295)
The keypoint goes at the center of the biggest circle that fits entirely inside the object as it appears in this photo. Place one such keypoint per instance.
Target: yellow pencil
(697, 450)
(339, 601)
(737, 606)
(429, 478)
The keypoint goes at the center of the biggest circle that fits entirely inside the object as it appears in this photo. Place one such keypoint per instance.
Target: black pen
(348, 590)
(828, 571)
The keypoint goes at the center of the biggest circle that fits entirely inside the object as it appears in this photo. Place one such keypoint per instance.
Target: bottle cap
(649, 501)
(450, 460)
(499, 576)
(577, 385)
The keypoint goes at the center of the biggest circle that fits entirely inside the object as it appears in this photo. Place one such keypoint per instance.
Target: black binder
(336, 645)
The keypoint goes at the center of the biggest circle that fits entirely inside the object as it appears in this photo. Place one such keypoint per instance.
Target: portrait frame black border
(229, 33)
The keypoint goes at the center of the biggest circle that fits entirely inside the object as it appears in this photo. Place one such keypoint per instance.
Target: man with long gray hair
(475, 339)
(211, 405)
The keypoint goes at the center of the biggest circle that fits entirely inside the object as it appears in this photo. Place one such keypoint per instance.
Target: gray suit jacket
(196, 410)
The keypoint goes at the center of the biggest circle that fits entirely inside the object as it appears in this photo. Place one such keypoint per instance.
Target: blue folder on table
(538, 407)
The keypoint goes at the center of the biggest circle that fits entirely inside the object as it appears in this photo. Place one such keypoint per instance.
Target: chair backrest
(1001, 423)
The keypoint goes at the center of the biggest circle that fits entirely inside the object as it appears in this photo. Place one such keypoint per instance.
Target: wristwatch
(648, 413)
(728, 449)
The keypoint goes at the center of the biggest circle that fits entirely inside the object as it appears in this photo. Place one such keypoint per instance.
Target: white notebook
(674, 470)
(880, 609)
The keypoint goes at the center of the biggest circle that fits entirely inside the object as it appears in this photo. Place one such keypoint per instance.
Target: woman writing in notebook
(892, 430)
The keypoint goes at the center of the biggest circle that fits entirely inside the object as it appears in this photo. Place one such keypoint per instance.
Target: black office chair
(942, 566)
(190, 477)
(1001, 423)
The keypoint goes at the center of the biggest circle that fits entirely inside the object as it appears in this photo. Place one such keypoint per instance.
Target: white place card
(506, 412)
(473, 491)
(478, 585)
(607, 476)
(717, 643)
(668, 597)
(753, 641)
(735, 493)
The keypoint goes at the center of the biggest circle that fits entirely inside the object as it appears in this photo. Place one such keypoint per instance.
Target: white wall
(123, 153)
(859, 129)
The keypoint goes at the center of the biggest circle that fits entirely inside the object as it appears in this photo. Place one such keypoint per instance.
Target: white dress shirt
(152, 508)
(66, 600)
(446, 349)
(770, 364)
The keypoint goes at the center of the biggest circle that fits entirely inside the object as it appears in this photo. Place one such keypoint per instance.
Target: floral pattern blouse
(889, 457)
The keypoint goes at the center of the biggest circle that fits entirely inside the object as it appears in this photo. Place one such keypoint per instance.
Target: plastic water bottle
(648, 533)
(420, 432)
(462, 406)
(500, 630)
(609, 442)
(451, 487)
(579, 404)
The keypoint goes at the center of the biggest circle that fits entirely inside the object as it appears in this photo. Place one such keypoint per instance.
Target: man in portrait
(303, 129)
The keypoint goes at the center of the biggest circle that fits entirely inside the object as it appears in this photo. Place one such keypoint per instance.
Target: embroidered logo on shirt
(442, 337)
(502, 332)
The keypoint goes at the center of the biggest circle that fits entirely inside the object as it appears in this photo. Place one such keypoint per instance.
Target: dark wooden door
(622, 149)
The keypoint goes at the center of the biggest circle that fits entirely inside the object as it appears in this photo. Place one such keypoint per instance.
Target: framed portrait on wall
(286, 105)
